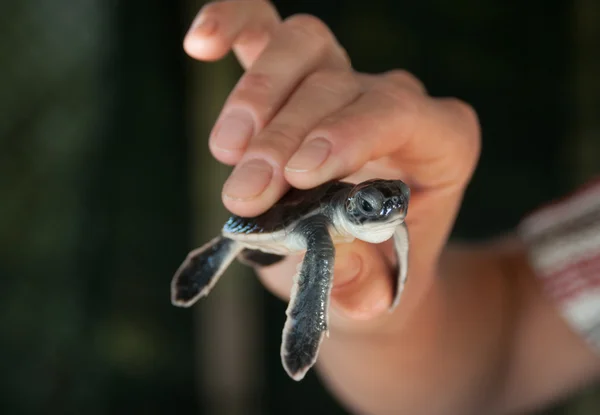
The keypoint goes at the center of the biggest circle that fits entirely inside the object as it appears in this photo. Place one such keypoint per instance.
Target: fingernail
(248, 180)
(310, 156)
(234, 130)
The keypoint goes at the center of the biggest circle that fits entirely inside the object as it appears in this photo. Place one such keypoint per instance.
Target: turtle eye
(370, 204)
(365, 206)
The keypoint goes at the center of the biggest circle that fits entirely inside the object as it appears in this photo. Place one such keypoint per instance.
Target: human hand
(300, 116)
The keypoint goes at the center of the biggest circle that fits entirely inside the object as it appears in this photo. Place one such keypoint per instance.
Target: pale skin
(473, 332)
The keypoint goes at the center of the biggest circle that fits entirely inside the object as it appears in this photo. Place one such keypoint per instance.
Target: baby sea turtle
(310, 221)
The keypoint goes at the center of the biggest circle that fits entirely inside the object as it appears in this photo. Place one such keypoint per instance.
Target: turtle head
(375, 208)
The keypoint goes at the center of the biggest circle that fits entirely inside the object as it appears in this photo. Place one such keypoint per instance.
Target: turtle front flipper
(257, 258)
(307, 312)
(401, 242)
(201, 270)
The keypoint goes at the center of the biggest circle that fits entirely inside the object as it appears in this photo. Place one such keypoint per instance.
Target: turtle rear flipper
(201, 270)
(307, 311)
(257, 258)
(401, 247)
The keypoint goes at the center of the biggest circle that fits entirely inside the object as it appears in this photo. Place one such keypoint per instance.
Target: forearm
(548, 359)
(484, 337)
(446, 357)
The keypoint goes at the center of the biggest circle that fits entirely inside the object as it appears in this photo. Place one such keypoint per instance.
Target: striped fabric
(563, 239)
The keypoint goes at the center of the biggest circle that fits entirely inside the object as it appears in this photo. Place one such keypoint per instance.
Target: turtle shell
(294, 205)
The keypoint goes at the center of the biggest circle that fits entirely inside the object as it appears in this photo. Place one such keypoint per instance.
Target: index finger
(433, 141)
(244, 26)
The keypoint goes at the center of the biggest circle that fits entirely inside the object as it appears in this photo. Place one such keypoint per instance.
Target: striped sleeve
(563, 241)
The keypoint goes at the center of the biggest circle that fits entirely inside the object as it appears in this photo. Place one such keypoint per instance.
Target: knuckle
(336, 128)
(473, 136)
(469, 147)
(309, 26)
(343, 54)
(405, 78)
(467, 112)
(278, 141)
(254, 84)
(400, 98)
(213, 9)
(334, 82)
(396, 93)
(269, 8)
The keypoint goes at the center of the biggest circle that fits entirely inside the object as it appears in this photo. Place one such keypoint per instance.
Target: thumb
(363, 281)
(363, 284)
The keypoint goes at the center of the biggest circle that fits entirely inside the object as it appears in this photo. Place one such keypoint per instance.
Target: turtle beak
(396, 207)
(404, 190)
(401, 204)
(405, 197)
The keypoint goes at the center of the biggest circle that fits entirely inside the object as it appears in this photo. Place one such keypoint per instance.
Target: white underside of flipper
(401, 246)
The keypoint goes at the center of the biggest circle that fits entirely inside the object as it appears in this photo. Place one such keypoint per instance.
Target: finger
(322, 92)
(426, 137)
(362, 283)
(302, 45)
(399, 77)
(242, 25)
(432, 144)
(364, 286)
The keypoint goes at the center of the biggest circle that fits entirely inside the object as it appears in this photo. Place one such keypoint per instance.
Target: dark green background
(98, 121)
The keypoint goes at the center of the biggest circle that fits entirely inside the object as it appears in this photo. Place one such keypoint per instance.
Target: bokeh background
(106, 183)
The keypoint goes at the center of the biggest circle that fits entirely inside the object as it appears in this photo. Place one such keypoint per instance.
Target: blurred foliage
(95, 201)
(93, 209)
